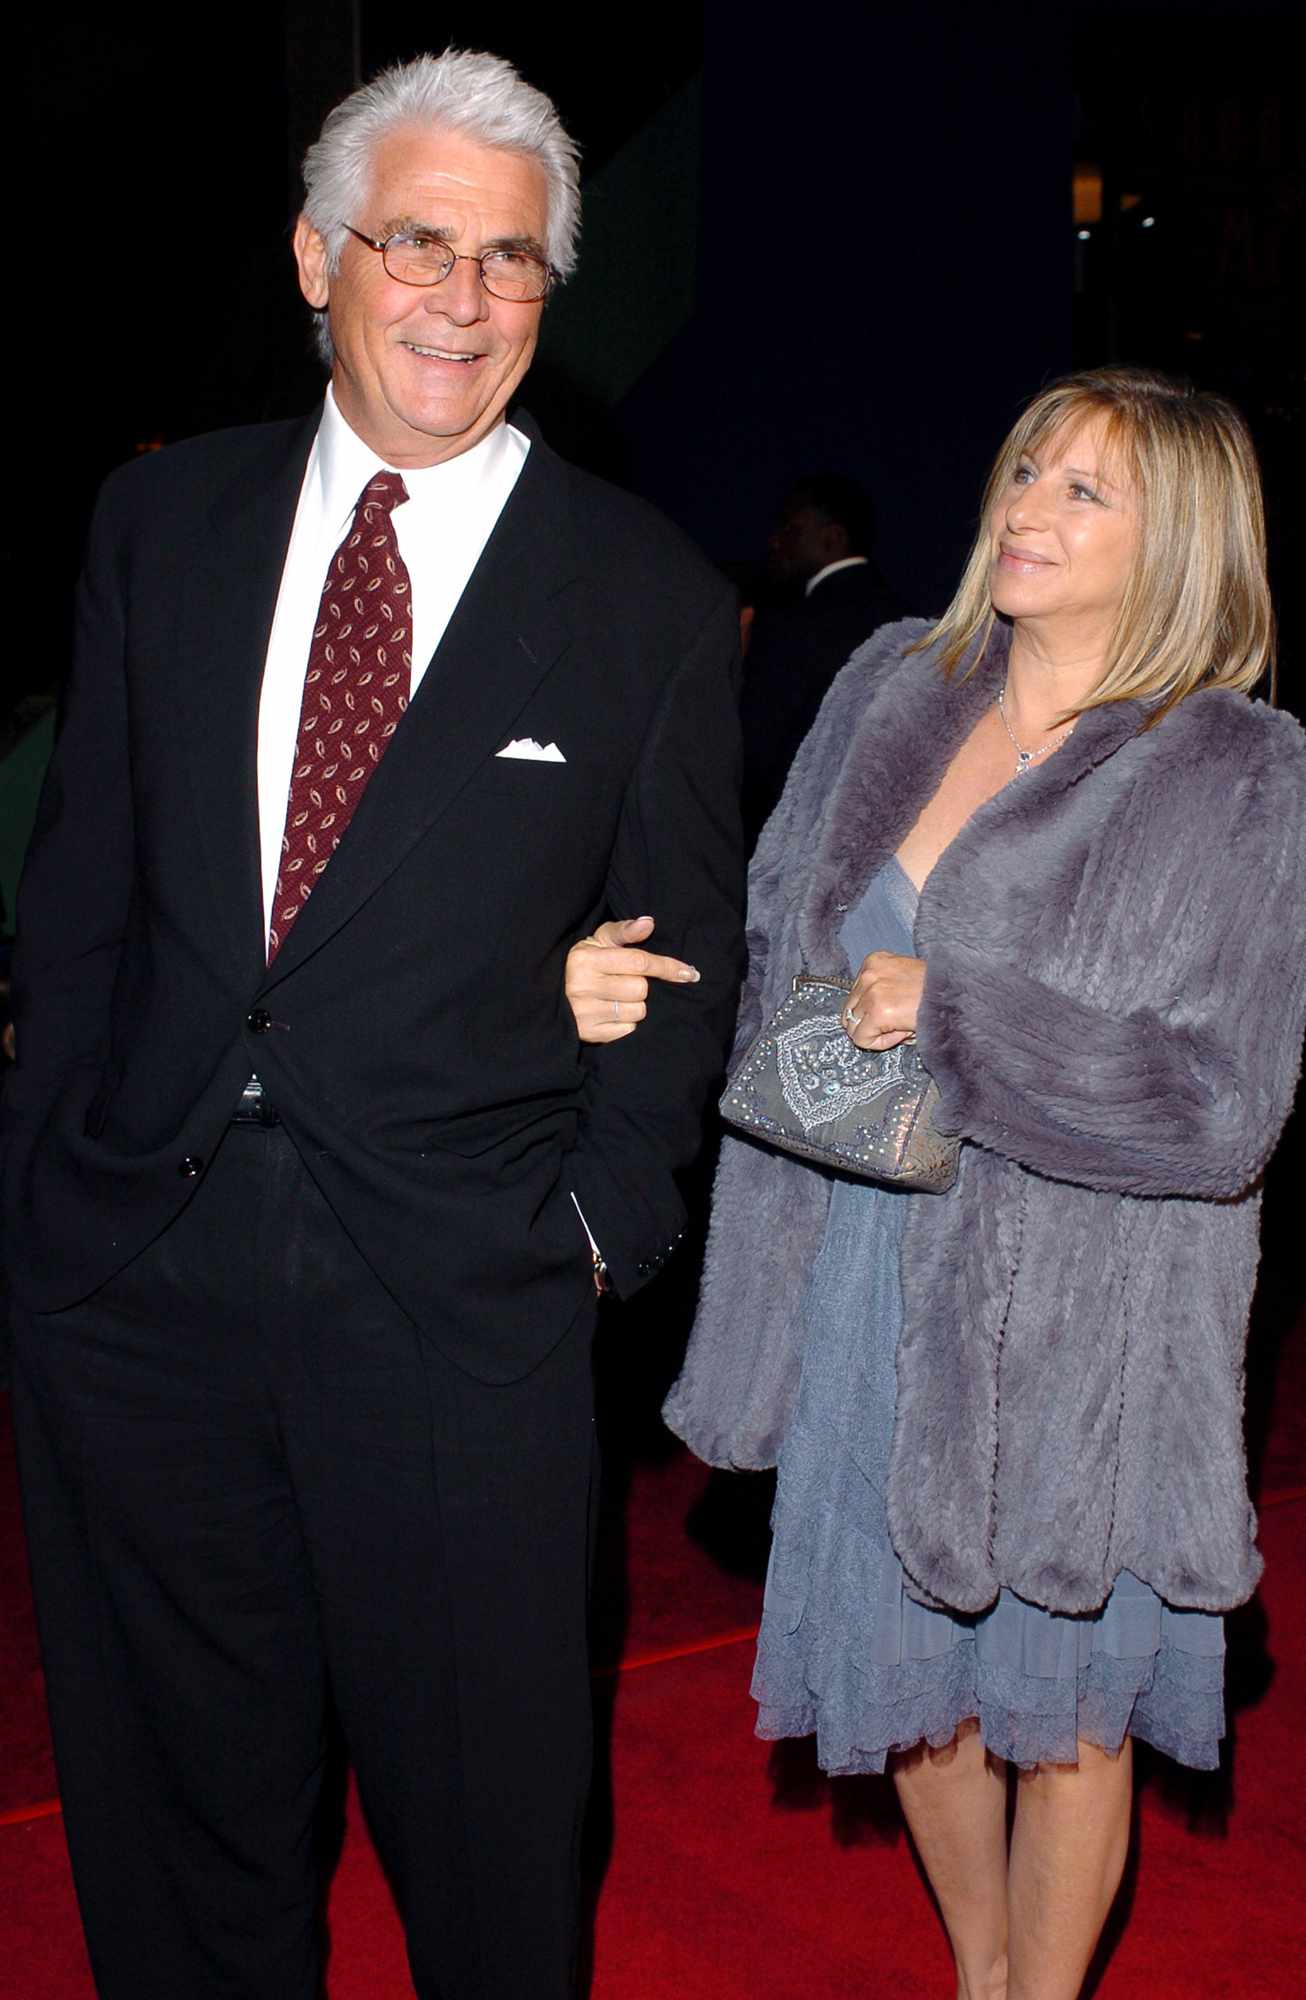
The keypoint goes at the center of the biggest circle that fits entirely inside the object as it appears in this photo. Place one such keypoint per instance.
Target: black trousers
(252, 1490)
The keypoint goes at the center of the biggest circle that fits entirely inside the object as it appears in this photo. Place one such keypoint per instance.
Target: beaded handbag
(805, 1087)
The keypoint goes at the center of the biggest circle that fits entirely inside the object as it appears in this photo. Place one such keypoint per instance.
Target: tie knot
(384, 491)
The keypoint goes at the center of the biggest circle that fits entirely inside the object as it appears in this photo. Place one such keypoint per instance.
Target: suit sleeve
(678, 856)
(1185, 1100)
(76, 888)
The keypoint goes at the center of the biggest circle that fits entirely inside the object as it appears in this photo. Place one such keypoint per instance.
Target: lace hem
(1173, 1700)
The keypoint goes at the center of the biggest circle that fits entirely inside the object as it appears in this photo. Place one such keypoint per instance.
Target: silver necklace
(1024, 758)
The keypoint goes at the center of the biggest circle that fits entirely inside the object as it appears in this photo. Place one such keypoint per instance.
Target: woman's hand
(881, 1009)
(607, 979)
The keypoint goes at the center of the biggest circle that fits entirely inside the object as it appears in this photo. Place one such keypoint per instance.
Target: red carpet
(738, 1872)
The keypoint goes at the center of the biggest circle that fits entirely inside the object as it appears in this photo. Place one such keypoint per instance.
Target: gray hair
(480, 96)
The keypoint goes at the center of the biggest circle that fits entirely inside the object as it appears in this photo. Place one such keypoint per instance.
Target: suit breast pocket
(524, 796)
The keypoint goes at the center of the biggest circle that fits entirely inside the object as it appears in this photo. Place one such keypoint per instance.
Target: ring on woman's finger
(850, 1019)
(616, 1010)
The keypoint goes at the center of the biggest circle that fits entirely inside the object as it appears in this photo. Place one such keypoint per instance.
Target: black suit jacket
(795, 653)
(420, 1051)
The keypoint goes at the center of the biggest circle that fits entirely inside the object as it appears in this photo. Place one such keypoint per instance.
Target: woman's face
(1064, 534)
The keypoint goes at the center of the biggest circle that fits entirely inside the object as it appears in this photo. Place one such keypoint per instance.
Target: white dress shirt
(441, 529)
(844, 562)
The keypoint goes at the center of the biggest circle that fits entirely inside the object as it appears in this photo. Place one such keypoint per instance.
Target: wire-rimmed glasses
(414, 259)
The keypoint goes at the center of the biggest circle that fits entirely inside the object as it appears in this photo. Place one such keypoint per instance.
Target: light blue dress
(844, 1651)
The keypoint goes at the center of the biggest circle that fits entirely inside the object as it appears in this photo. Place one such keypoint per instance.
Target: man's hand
(607, 979)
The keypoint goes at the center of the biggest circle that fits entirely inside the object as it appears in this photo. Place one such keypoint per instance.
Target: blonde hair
(1196, 610)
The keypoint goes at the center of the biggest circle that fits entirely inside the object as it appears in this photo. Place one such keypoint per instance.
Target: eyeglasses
(414, 259)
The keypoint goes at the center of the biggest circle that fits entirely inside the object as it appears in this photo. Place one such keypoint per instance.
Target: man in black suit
(831, 596)
(309, 1183)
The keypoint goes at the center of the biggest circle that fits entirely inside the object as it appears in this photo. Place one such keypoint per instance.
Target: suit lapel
(229, 595)
(506, 633)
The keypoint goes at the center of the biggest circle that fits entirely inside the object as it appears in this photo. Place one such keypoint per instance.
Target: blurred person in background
(828, 596)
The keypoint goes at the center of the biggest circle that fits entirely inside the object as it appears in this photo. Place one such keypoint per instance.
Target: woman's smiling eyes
(1025, 473)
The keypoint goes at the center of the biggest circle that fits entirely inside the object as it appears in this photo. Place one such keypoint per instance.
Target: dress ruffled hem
(1173, 1701)
(847, 1654)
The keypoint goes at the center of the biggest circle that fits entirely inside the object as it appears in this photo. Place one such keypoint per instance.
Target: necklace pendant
(1024, 758)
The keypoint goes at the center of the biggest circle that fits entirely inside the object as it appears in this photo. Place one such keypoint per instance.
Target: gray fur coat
(1113, 1011)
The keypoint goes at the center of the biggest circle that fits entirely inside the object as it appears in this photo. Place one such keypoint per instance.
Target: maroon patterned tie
(355, 690)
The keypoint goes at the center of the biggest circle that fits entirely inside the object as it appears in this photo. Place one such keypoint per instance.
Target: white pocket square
(536, 753)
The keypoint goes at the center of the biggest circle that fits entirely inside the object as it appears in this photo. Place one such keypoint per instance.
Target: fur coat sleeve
(1185, 1091)
(768, 1211)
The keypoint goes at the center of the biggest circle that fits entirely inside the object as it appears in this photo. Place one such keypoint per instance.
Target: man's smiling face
(423, 373)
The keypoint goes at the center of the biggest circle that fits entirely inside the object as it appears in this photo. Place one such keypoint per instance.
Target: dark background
(848, 243)
(1196, 117)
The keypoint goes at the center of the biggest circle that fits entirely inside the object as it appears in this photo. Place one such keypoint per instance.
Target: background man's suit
(795, 651)
(413, 1035)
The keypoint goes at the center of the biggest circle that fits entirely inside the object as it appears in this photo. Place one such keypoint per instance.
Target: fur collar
(897, 754)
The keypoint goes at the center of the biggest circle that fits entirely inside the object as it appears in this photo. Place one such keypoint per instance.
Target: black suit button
(258, 1021)
(191, 1167)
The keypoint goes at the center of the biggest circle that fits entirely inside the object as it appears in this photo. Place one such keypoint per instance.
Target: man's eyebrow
(411, 225)
(442, 232)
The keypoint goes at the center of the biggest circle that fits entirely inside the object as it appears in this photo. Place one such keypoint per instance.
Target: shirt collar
(844, 562)
(345, 464)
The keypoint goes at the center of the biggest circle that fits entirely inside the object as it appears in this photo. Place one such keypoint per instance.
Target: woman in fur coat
(1053, 839)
